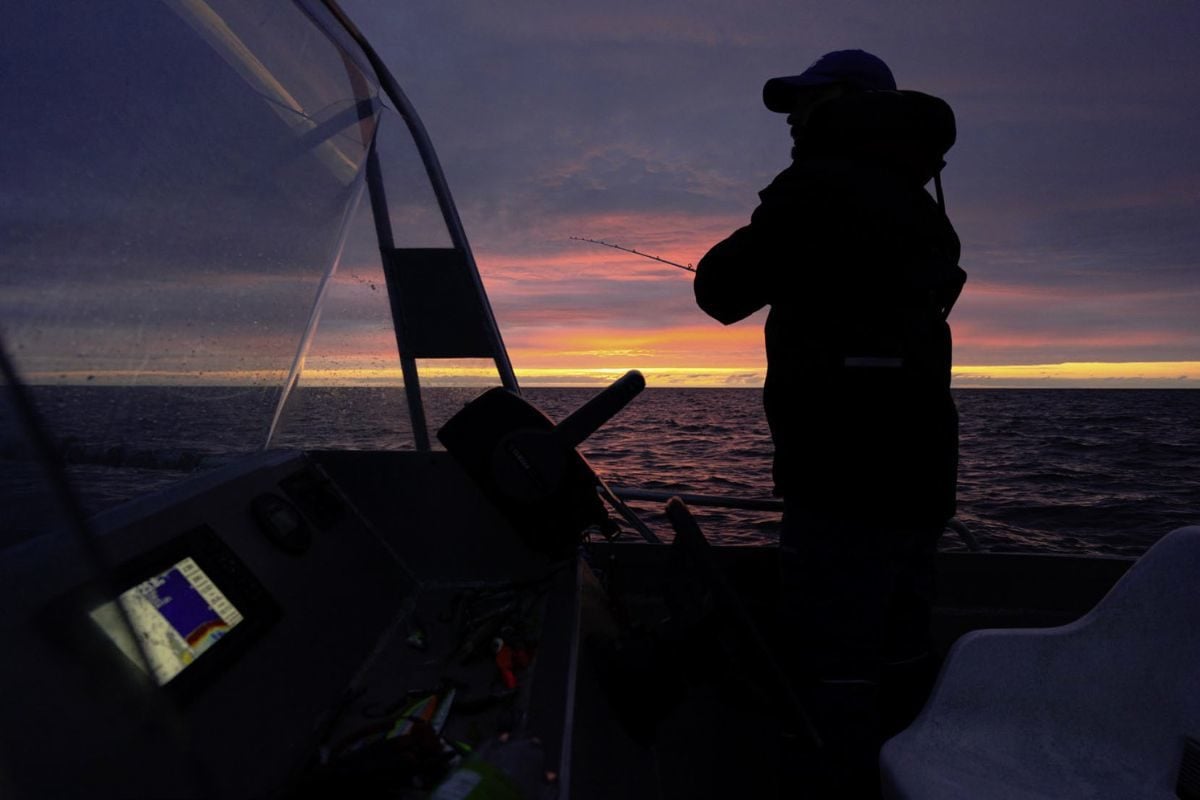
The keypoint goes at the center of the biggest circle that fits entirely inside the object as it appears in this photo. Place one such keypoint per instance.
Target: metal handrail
(717, 501)
(756, 504)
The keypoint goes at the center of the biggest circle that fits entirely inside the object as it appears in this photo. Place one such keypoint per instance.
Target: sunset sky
(138, 245)
(1074, 185)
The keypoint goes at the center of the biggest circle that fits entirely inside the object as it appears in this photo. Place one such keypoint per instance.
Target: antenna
(687, 267)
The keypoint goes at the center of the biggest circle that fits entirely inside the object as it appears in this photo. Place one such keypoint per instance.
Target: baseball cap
(856, 68)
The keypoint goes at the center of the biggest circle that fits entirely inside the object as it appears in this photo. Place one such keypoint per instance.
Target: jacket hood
(905, 128)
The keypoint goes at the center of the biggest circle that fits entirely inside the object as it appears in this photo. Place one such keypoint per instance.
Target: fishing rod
(687, 267)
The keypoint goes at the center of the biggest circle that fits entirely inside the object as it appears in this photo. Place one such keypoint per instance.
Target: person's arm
(725, 289)
(739, 275)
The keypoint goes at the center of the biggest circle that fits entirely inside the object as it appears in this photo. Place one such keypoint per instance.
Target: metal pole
(387, 250)
(437, 180)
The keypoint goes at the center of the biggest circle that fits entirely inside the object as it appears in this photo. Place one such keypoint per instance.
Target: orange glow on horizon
(1150, 374)
(605, 348)
(1082, 373)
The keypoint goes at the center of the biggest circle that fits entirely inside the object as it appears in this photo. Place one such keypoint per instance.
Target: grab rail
(756, 504)
(718, 501)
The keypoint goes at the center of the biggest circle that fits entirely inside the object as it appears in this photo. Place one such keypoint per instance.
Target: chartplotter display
(177, 615)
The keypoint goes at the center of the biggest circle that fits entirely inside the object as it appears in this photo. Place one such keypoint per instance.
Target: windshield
(179, 182)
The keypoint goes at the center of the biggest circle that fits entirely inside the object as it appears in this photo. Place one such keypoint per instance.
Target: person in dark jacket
(859, 266)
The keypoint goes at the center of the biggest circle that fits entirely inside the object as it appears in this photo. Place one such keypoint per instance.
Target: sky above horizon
(1074, 183)
(168, 215)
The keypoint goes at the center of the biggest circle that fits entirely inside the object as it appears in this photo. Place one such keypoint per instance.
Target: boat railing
(755, 504)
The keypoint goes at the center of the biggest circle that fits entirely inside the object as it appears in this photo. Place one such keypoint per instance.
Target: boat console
(310, 624)
(259, 635)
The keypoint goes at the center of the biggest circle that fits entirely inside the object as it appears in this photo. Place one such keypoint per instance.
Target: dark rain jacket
(859, 267)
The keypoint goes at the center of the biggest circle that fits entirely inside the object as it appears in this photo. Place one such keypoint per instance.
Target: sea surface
(1054, 470)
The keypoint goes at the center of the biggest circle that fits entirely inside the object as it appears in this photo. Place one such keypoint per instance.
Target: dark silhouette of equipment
(736, 630)
(531, 470)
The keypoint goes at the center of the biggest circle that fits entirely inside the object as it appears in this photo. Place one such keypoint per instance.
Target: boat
(276, 618)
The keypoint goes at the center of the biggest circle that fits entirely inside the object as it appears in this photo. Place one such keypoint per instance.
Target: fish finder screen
(177, 615)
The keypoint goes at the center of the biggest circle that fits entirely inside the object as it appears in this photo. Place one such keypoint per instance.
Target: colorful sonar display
(177, 615)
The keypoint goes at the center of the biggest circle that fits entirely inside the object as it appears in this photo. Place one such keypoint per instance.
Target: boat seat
(1099, 708)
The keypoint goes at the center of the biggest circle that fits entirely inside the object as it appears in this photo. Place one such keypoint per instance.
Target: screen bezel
(71, 613)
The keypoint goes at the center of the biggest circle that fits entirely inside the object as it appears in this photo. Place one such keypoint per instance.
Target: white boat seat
(1099, 708)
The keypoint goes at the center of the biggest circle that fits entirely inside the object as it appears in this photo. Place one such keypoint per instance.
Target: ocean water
(1052, 470)
(1083, 471)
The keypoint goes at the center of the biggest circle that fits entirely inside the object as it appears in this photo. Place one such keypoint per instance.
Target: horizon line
(1089, 374)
